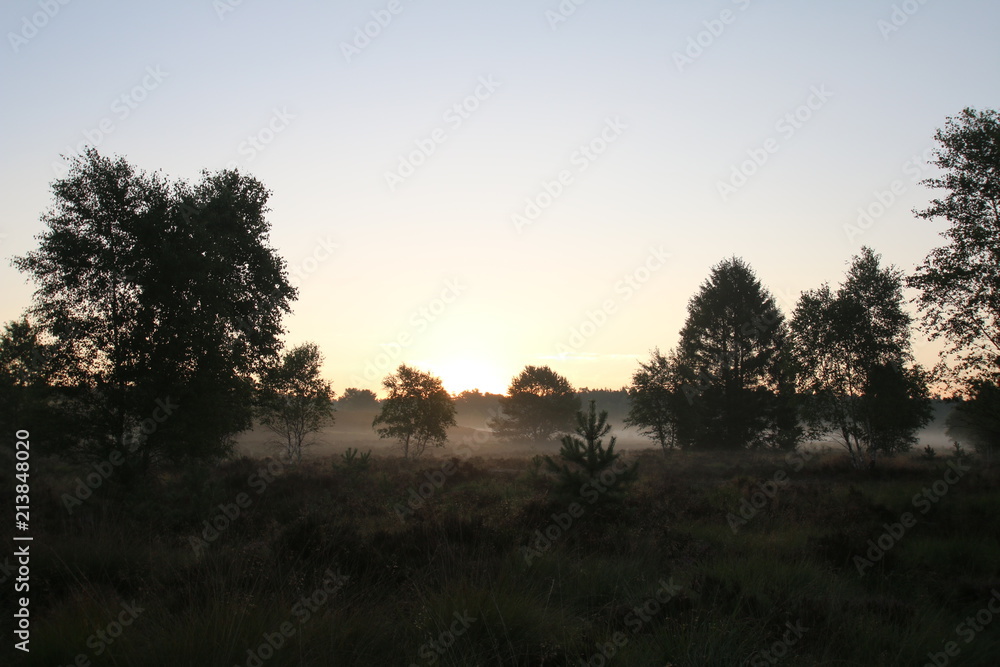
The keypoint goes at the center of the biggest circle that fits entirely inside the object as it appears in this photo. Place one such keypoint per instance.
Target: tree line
(842, 365)
(154, 334)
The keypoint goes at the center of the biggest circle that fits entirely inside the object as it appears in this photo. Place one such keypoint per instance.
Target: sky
(471, 187)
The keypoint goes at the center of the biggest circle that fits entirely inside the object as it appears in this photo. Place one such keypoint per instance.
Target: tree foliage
(658, 403)
(976, 420)
(590, 469)
(162, 301)
(295, 401)
(852, 352)
(959, 282)
(539, 403)
(476, 409)
(731, 354)
(358, 399)
(416, 412)
(27, 367)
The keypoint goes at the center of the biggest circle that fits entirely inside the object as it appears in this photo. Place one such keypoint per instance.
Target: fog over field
(473, 438)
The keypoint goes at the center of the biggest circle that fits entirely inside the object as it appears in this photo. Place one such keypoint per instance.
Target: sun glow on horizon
(460, 374)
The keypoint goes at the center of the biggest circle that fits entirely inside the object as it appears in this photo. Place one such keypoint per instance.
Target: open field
(709, 559)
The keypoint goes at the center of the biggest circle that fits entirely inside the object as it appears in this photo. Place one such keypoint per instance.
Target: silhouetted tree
(976, 420)
(784, 428)
(417, 411)
(589, 469)
(163, 301)
(358, 399)
(960, 282)
(26, 369)
(475, 409)
(897, 402)
(295, 401)
(615, 401)
(36, 393)
(539, 403)
(731, 353)
(657, 398)
(852, 348)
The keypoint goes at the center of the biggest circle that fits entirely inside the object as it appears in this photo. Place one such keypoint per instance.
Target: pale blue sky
(342, 125)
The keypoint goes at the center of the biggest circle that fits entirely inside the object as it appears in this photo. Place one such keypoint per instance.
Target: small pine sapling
(589, 469)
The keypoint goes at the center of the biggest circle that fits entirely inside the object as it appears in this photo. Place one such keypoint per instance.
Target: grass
(449, 583)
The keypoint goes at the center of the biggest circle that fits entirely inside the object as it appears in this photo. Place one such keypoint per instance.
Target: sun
(461, 373)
